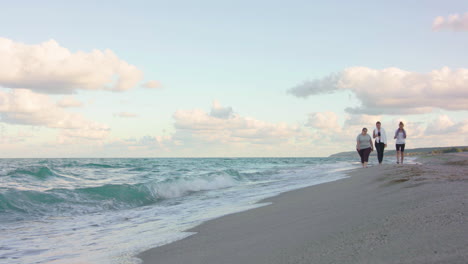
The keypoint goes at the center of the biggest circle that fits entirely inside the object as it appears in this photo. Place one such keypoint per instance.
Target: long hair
(404, 131)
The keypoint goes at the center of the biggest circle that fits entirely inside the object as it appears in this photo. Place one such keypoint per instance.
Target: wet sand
(382, 214)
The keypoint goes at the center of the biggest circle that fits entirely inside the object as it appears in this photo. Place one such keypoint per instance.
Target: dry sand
(383, 214)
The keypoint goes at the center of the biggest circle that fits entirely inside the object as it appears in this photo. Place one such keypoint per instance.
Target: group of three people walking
(365, 145)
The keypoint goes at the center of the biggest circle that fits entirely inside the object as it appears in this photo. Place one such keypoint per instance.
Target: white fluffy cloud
(324, 120)
(362, 120)
(198, 134)
(441, 131)
(50, 68)
(330, 132)
(22, 106)
(453, 22)
(443, 124)
(395, 91)
(224, 126)
(221, 112)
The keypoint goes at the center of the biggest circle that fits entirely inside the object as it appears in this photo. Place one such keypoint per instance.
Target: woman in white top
(380, 140)
(400, 136)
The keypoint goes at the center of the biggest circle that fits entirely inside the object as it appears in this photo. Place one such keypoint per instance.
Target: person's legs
(402, 154)
(366, 154)
(383, 150)
(363, 157)
(380, 149)
(361, 154)
(397, 153)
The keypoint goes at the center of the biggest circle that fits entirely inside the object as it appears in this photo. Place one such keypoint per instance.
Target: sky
(211, 78)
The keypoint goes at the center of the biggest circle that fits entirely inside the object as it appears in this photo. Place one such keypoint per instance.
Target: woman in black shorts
(400, 136)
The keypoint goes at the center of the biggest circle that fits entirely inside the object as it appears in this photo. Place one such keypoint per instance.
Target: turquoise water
(108, 210)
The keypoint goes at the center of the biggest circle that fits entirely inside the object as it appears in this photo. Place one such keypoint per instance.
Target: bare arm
(358, 145)
(371, 146)
(373, 134)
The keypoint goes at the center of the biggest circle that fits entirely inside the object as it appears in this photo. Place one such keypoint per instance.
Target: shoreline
(382, 214)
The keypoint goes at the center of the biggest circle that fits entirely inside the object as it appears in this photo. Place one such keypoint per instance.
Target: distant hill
(410, 152)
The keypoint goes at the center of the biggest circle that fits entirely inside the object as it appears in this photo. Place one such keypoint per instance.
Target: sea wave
(106, 197)
(84, 186)
(105, 201)
(40, 172)
(173, 189)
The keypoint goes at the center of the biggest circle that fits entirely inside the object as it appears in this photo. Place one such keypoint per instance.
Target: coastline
(382, 214)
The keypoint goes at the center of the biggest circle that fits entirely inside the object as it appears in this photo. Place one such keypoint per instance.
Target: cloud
(453, 22)
(126, 115)
(146, 146)
(441, 131)
(221, 125)
(72, 136)
(317, 86)
(443, 124)
(198, 134)
(50, 68)
(24, 107)
(395, 91)
(330, 132)
(324, 120)
(152, 85)
(69, 101)
(221, 112)
(13, 138)
(217, 132)
(151, 142)
(362, 120)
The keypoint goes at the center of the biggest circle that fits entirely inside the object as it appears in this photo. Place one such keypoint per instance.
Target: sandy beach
(383, 214)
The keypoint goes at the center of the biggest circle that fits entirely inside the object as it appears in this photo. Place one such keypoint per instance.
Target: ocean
(109, 210)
